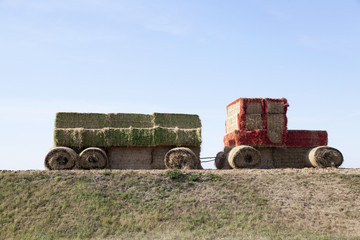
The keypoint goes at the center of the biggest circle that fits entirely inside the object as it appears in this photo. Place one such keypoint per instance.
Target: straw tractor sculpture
(125, 141)
(257, 137)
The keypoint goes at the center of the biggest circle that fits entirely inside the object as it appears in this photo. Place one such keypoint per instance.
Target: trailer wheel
(92, 158)
(323, 156)
(181, 158)
(220, 160)
(60, 158)
(244, 157)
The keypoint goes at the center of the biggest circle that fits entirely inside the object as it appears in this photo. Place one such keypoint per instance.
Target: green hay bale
(129, 137)
(107, 137)
(117, 137)
(126, 129)
(164, 136)
(69, 137)
(189, 137)
(185, 121)
(177, 137)
(81, 120)
(92, 138)
(142, 137)
(126, 120)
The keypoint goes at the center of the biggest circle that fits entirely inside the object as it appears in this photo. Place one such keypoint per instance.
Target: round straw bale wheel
(60, 158)
(221, 161)
(324, 156)
(92, 158)
(244, 157)
(181, 158)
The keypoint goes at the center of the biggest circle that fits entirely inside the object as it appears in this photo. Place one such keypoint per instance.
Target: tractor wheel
(221, 161)
(181, 158)
(323, 156)
(60, 158)
(244, 157)
(92, 158)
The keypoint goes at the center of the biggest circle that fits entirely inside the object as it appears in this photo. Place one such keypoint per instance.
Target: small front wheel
(92, 158)
(181, 158)
(244, 157)
(60, 158)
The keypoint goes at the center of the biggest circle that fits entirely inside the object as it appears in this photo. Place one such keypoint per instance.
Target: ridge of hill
(173, 204)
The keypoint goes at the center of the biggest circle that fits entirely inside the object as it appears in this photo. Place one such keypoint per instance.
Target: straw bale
(92, 158)
(181, 158)
(141, 137)
(92, 137)
(283, 157)
(81, 120)
(253, 108)
(117, 137)
(130, 157)
(165, 136)
(323, 156)
(172, 120)
(306, 138)
(158, 155)
(127, 120)
(177, 137)
(188, 137)
(266, 157)
(276, 127)
(79, 137)
(232, 124)
(277, 106)
(244, 157)
(233, 109)
(59, 158)
(254, 121)
(70, 137)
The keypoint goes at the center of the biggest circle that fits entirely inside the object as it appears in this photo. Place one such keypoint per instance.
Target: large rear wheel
(323, 156)
(244, 157)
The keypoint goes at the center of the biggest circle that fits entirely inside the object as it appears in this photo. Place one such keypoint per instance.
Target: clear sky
(176, 56)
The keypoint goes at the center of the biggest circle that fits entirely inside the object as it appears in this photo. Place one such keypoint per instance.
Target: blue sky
(176, 56)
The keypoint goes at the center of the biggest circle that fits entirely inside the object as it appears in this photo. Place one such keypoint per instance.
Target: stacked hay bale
(81, 130)
(276, 120)
(129, 140)
(257, 120)
(232, 121)
(245, 114)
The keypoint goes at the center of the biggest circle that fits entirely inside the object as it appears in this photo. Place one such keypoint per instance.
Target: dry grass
(159, 204)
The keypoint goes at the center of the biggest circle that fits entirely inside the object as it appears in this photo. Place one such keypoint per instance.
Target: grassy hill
(208, 204)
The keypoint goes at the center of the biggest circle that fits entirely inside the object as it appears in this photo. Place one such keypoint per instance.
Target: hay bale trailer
(257, 137)
(125, 141)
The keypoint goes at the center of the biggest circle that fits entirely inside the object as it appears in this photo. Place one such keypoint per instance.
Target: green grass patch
(173, 204)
